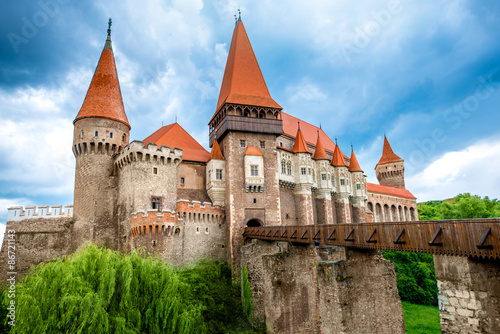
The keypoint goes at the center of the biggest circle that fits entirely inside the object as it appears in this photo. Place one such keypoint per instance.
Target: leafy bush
(97, 290)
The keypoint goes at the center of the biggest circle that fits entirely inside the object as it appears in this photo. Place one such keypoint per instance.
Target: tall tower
(390, 168)
(101, 129)
(359, 197)
(246, 123)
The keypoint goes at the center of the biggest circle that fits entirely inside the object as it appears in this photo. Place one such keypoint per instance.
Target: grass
(421, 319)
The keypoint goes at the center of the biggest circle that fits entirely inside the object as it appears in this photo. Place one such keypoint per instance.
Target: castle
(169, 195)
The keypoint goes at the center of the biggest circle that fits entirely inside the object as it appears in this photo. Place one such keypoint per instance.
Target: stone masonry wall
(33, 242)
(469, 294)
(288, 207)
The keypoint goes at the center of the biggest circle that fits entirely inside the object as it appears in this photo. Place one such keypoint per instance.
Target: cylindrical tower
(101, 129)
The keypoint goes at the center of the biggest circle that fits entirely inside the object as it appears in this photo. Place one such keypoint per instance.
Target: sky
(424, 73)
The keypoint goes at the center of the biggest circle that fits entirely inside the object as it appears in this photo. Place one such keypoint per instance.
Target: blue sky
(425, 73)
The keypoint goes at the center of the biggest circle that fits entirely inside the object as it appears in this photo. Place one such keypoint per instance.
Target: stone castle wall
(386, 208)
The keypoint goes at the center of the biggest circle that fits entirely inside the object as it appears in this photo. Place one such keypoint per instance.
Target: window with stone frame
(342, 182)
(303, 171)
(156, 203)
(254, 170)
(242, 143)
(262, 144)
(218, 174)
(289, 168)
(358, 186)
(283, 166)
(323, 177)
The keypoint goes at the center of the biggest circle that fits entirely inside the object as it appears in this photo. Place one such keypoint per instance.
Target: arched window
(283, 166)
(289, 168)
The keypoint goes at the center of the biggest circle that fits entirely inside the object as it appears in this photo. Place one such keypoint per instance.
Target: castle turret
(101, 129)
(359, 195)
(390, 168)
(216, 173)
(342, 186)
(246, 116)
(304, 177)
(324, 182)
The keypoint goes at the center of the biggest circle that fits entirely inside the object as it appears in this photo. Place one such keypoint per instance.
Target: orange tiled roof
(319, 152)
(300, 145)
(104, 98)
(252, 150)
(174, 135)
(387, 154)
(386, 190)
(243, 82)
(216, 152)
(338, 158)
(354, 165)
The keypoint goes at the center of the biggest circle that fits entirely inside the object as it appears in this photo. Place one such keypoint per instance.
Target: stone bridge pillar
(295, 291)
(469, 294)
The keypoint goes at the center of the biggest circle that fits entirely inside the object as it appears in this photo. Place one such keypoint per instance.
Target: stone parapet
(19, 213)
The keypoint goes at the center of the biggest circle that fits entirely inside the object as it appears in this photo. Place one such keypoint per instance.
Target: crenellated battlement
(203, 212)
(18, 213)
(137, 151)
(95, 147)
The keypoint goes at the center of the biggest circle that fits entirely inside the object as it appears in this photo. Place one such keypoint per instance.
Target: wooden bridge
(466, 237)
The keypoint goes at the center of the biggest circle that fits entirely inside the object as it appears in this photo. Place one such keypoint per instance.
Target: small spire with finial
(298, 124)
(320, 126)
(109, 27)
(318, 133)
(236, 20)
(335, 141)
(352, 148)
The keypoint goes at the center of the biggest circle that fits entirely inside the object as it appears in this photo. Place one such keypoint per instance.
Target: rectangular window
(242, 143)
(96, 133)
(303, 171)
(81, 134)
(283, 167)
(323, 177)
(281, 144)
(342, 182)
(182, 180)
(155, 170)
(254, 170)
(358, 186)
(111, 135)
(262, 144)
(289, 168)
(155, 203)
(218, 174)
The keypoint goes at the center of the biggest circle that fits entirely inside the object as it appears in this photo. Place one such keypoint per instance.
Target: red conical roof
(388, 155)
(216, 152)
(252, 150)
(243, 82)
(104, 98)
(300, 145)
(319, 152)
(338, 158)
(354, 165)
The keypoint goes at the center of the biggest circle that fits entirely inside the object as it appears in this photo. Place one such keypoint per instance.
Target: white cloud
(473, 169)
(6, 203)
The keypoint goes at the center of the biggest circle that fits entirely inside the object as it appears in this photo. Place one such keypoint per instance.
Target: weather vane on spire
(109, 26)
(239, 17)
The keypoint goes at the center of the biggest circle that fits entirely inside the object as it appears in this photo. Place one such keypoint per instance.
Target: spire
(354, 165)
(104, 98)
(216, 152)
(338, 157)
(300, 145)
(388, 155)
(319, 152)
(243, 82)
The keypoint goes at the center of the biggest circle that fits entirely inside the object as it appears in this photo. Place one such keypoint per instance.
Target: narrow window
(287, 216)
(283, 167)
(81, 134)
(358, 186)
(111, 135)
(155, 170)
(255, 200)
(303, 171)
(262, 144)
(281, 144)
(242, 143)
(254, 170)
(342, 182)
(182, 180)
(206, 230)
(218, 174)
(197, 229)
(124, 137)
(289, 168)
(323, 177)
(96, 133)
(155, 203)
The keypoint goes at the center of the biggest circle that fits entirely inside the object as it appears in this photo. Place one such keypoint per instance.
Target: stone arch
(413, 214)
(401, 216)
(394, 213)
(407, 214)
(254, 222)
(387, 214)
(378, 212)
(370, 206)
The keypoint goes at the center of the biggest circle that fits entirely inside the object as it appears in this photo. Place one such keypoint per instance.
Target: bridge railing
(465, 237)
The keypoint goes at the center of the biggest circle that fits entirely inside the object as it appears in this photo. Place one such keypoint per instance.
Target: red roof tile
(387, 154)
(174, 135)
(104, 98)
(252, 150)
(386, 190)
(216, 152)
(243, 82)
(354, 165)
(300, 145)
(338, 158)
(319, 152)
